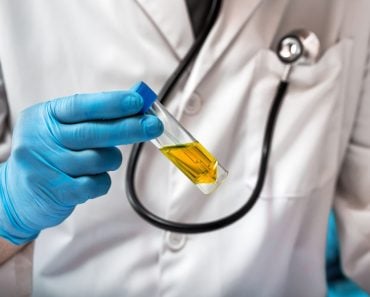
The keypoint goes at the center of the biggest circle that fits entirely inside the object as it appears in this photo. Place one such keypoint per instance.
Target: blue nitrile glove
(333, 270)
(338, 284)
(61, 152)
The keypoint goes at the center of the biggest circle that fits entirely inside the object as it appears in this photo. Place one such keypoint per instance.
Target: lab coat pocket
(305, 149)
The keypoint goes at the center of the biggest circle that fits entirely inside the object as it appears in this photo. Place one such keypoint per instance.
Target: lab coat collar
(167, 17)
(231, 20)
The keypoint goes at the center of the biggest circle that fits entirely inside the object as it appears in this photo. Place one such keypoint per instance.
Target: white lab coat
(320, 155)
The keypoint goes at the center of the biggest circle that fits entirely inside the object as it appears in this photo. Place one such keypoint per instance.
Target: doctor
(62, 149)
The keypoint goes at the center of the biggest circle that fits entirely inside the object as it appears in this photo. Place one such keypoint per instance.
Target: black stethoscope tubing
(266, 147)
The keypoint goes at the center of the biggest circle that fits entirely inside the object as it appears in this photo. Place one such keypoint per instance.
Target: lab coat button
(193, 105)
(175, 241)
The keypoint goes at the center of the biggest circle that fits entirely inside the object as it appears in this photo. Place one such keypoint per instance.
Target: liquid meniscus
(194, 161)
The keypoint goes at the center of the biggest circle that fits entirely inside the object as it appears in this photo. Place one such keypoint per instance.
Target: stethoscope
(297, 47)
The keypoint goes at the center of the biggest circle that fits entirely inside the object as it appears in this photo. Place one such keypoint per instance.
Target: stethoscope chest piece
(299, 46)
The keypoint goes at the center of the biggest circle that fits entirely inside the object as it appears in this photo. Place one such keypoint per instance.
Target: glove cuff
(11, 227)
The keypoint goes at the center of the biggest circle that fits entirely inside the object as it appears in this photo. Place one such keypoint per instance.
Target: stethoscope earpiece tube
(163, 95)
(298, 46)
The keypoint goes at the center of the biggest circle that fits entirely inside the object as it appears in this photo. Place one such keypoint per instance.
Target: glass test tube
(181, 148)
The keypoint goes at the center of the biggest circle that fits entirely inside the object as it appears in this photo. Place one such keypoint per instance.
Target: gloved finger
(88, 187)
(109, 133)
(98, 106)
(89, 162)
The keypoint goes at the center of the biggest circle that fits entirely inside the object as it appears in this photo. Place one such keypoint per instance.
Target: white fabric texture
(320, 154)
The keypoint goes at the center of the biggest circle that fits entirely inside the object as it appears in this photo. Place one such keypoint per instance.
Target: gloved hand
(338, 284)
(61, 152)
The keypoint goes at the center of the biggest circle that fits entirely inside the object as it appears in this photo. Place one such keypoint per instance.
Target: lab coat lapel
(231, 20)
(172, 21)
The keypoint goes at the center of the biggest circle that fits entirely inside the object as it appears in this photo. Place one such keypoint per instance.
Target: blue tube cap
(148, 95)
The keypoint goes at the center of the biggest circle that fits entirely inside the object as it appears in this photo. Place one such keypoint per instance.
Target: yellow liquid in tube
(194, 161)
